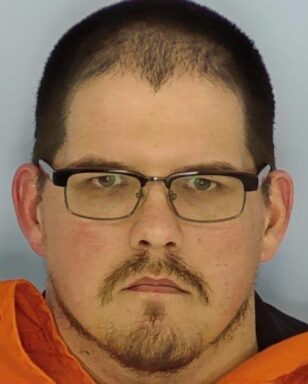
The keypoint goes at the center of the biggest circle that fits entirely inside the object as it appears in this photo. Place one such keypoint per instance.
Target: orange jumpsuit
(32, 351)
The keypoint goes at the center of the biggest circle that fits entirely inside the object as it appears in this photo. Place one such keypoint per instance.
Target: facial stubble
(153, 345)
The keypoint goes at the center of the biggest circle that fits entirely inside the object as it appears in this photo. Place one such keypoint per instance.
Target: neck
(216, 361)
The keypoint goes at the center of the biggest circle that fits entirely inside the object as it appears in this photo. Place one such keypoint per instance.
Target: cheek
(77, 255)
(228, 256)
(80, 252)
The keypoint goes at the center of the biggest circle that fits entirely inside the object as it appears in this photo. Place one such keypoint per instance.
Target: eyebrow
(97, 162)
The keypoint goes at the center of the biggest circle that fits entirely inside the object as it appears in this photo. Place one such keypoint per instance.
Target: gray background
(29, 29)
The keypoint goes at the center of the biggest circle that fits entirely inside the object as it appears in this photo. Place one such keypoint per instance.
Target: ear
(278, 211)
(26, 202)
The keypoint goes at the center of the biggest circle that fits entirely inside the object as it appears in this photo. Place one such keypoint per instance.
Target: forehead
(189, 120)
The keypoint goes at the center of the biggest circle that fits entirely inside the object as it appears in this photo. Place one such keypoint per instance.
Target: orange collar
(31, 349)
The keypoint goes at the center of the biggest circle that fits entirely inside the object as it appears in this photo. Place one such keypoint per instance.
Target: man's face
(90, 262)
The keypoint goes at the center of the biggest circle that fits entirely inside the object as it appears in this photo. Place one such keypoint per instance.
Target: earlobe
(26, 202)
(278, 212)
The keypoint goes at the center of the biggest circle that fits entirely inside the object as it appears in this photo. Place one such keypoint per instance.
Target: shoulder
(273, 325)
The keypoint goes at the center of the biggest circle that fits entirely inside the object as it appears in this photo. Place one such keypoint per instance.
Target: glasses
(110, 194)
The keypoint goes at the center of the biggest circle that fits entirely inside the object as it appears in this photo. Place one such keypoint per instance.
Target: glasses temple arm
(262, 176)
(46, 169)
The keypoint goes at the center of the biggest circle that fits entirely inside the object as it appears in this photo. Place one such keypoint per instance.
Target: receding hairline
(155, 52)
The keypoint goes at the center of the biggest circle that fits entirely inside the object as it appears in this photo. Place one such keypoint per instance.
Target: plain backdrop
(30, 28)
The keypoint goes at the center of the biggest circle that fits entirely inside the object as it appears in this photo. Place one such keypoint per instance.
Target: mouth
(147, 284)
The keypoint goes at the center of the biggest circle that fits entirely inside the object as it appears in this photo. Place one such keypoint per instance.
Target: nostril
(171, 244)
(144, 243)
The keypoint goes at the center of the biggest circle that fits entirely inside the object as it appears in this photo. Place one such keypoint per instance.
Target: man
(153, 197)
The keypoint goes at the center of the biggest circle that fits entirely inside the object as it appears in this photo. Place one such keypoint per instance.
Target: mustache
(143, 263)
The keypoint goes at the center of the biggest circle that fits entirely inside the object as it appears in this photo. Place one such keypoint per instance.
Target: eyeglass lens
(112, 196)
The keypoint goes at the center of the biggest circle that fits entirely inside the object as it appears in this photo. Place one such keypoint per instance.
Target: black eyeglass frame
(59, 177)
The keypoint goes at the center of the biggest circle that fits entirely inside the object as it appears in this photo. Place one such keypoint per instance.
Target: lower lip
(154, 288)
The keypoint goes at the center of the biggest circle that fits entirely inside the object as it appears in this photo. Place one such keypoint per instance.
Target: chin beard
(157, 347)
(153, 346)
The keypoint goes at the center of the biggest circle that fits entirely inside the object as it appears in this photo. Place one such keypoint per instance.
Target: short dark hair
(156, 38)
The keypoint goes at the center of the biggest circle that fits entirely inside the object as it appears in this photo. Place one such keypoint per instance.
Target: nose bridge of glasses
(160, 192)
(157, 179)
(154, 179)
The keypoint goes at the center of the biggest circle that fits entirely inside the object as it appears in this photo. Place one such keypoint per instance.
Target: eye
(201, 183)
(107, 180)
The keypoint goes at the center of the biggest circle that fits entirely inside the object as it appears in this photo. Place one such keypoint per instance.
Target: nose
(156, 226)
